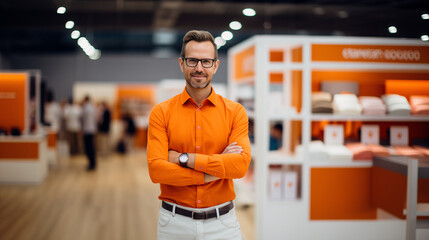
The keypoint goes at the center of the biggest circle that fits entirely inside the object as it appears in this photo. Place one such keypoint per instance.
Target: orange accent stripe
(19, 150)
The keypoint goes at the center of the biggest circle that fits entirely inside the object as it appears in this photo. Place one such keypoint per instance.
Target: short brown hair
(199, 36)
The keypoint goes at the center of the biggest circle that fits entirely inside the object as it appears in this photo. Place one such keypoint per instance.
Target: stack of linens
(338, 153)
(372, 106)
(396, 105)
(408, 151)
(316, 150)
(321, 102)
(419, 105)
(347, 104)
(360, 151)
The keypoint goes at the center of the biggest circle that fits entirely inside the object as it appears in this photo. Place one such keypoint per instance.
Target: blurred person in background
(130, 131)
(72, 118)
(197, 144)
(89, 129)
(52, 112)
(104, 129)
(276, 137)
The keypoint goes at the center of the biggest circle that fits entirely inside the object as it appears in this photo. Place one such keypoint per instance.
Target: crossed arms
(202, 168)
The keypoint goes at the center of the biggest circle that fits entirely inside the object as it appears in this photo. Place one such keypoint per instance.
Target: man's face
(198, 76)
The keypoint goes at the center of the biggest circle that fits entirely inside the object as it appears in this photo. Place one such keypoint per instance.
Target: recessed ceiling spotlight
(227, 35)
(343, 14)
(75, 34)
(250, 12)
(235, 25)
(61, 10)
(424, 38)
(392, 29)
(319, 11)
(219, 42)
(69, 24)
(425, 16)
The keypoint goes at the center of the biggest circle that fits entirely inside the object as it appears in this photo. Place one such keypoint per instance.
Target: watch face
(183, 158)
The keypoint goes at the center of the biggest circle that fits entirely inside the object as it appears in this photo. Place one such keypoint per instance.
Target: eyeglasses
(205, 62)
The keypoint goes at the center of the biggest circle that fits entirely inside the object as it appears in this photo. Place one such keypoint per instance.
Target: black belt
(199, 215)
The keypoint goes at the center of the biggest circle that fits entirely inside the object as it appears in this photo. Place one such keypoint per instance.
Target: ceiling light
(96, 55)
(250, 12)
(219, 42)
(319, 11)
(343, 14)
(61, 10)
(235, 25)
(75, 34)
(227, 35)
(424, 38)
(83, 42)
(425, 16)
(69, 24)
(392, 29)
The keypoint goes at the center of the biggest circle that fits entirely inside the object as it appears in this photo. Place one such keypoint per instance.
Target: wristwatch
(183, 159)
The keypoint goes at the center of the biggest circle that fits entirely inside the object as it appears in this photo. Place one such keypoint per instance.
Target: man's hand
(173, 156)
(233, 148)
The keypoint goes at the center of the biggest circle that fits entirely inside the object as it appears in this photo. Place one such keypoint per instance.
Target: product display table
(416, 171)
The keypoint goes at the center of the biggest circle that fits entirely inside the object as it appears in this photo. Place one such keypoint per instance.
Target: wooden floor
(118, 201)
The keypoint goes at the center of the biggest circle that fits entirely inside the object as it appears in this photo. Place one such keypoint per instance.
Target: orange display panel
(276, 77)
(138, 93)
(341, 194)
(297, 54)
(276, 56)
(371, 83)
(12, 100)
(407, 88)
(19, 150)
(52, 140)
(244, 64)
(389, 191)
(370, 53)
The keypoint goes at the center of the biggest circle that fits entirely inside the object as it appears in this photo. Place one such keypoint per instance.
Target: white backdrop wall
(61, 71)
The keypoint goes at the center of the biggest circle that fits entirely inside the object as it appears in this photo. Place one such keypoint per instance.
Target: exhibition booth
(354, 158)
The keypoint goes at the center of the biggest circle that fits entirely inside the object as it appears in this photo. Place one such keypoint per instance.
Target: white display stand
(26, 170)
(291, 219)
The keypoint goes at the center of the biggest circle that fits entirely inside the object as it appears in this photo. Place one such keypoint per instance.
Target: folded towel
(407, 151)
(360, 151)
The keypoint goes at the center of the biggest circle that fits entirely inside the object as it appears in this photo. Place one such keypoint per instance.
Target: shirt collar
(213, 98)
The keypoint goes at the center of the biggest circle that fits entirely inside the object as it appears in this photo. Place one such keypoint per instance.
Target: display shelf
(385, 118)
(303, 63)
(285, 115)
(281, 158)
(354, 163)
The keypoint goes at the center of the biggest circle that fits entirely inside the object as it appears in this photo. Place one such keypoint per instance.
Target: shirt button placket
(198, 134)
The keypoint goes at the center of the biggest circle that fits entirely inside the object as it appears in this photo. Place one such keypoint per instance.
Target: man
(89, 127)
(197, 144)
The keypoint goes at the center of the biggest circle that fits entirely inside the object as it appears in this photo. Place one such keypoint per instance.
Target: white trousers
(173, 226)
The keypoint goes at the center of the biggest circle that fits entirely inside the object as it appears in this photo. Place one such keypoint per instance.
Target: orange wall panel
(371, 83)
(407, 88)
(341, 194)
(244, 65)
(12, 100)
(19, 150)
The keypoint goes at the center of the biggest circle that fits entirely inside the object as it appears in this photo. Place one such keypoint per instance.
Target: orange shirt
(179, 124)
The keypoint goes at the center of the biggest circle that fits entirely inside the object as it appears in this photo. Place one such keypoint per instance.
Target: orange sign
(12, 100)
(244, 64)
(370, 53)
